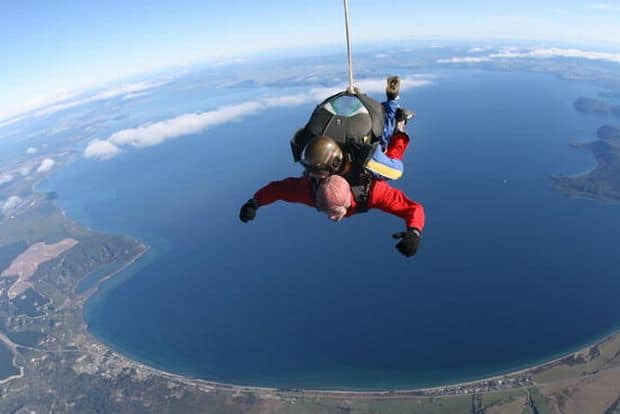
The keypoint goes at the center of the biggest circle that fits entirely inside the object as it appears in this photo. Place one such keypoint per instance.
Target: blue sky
(50, 48)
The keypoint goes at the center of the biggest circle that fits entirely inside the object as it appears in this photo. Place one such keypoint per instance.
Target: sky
(52, 48)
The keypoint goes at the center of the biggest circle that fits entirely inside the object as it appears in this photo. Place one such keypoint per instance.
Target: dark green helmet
(322, 156)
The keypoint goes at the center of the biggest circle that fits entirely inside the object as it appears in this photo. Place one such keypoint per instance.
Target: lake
(509, 272)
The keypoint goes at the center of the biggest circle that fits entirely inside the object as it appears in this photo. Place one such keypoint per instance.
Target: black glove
(248, 210)
(409, 241)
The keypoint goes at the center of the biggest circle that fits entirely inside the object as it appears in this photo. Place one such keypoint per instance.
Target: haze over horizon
(53, 52)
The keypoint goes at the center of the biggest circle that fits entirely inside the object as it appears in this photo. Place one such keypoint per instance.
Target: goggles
(316, 172)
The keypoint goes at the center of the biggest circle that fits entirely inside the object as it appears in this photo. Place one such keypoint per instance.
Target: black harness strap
(361, 191)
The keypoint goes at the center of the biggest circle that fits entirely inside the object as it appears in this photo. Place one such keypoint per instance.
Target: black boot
(392, 89)
(403, 114)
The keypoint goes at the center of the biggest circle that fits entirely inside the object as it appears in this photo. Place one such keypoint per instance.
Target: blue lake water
(509, 272)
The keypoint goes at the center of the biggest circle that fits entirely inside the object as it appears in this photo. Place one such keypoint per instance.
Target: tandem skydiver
(322, 186)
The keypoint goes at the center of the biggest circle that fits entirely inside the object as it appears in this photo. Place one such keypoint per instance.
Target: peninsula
(603, 182)
(596, 106)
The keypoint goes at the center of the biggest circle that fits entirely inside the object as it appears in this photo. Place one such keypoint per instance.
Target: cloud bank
(46, 165)
(24, 170)
(466, 59)
(118, 91)
(5, 178)
(101, 150)
(65, 100)
(192, 123)
(480, 49)
(10, 204)
(540, 53)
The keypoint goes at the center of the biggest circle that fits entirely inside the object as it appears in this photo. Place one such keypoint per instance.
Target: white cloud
(556, 52)
(5, 178)
(226, 62)
(101, 150)
(18, 113)
(155, 133)
(290, 100)
(121, 90)
(536, 53)
(134, 95)
(31, 150)
(63, 99)
(466, 59)
(24, 170)
(479, 49)
(10, 204)
(46, 165)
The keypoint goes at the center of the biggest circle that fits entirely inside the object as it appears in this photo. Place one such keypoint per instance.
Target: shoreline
(433, 391)
(446, 390)
(13, 348)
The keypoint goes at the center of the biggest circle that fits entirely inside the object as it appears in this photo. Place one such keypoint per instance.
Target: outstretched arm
(394, 201)
(291, 190)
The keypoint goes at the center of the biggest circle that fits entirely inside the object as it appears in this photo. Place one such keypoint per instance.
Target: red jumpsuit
(381, 195)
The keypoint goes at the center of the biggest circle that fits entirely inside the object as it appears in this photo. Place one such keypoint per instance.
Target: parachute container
(346, 117)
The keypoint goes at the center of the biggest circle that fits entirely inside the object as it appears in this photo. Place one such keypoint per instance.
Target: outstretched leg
(390, 107)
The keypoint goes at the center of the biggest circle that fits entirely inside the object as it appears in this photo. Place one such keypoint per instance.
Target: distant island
(596, 106)
(603, 182)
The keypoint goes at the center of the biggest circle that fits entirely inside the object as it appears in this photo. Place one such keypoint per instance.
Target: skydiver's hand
(409, 241)
(248, 211)
(402, 116)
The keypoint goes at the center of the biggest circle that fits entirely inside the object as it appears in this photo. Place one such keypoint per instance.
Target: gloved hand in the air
(409, 241)
(248, 210)
(401, 117)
